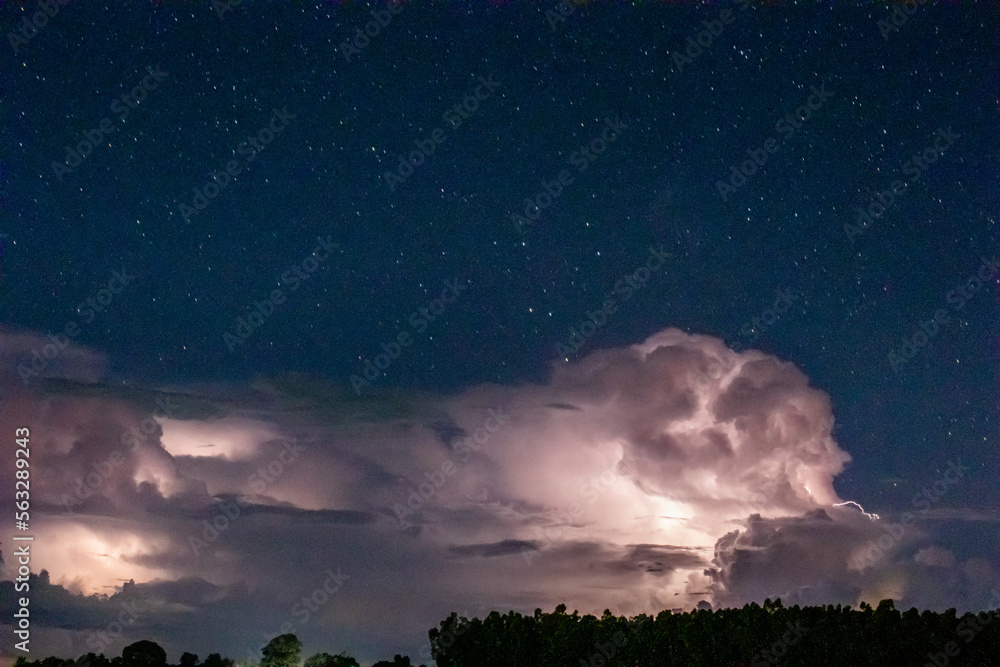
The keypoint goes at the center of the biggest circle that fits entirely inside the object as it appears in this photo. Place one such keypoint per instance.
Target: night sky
(521, 305)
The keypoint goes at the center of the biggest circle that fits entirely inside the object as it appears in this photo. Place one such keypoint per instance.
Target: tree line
(751, 636)
(282, 651)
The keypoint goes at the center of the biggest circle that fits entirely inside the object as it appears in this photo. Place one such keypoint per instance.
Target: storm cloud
(638, 479)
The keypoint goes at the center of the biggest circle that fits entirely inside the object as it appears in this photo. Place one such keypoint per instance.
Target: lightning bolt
(871, 516)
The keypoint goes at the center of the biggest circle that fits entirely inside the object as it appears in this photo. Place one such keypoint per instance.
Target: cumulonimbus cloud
(637, 479)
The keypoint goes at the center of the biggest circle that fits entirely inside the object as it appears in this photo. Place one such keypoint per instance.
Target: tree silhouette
(282, 651)
(749, 637)
(215, 660)
(92, 660)
(327, 660)
(753, 636)
(144, 653)
(397, 661)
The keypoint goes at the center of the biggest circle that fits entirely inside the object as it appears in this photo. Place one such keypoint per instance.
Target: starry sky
(483, 306)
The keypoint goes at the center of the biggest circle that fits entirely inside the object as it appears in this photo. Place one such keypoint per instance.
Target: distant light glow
(231, 439)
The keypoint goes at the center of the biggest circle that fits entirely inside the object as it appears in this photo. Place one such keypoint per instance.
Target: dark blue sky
(330, 121)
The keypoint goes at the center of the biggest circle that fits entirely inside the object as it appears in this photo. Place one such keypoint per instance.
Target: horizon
(343, 318)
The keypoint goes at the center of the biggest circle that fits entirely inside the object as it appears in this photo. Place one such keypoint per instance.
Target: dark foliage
(753, 636)
(144, 654)
(282, 651)
(397, 661)
(327, 660)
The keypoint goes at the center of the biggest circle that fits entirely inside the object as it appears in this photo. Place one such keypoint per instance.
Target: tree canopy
(282, 651)
(752, 636)
(144, 654)
(327, 660)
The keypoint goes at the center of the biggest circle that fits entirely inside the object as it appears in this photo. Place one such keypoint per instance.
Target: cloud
(757, 428)
(803, 559)
(27, 357)
(502, 548)
(637, 479)
(839, 556)
(934, 555)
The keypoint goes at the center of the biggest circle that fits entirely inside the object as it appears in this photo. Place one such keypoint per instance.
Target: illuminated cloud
(627, 482)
